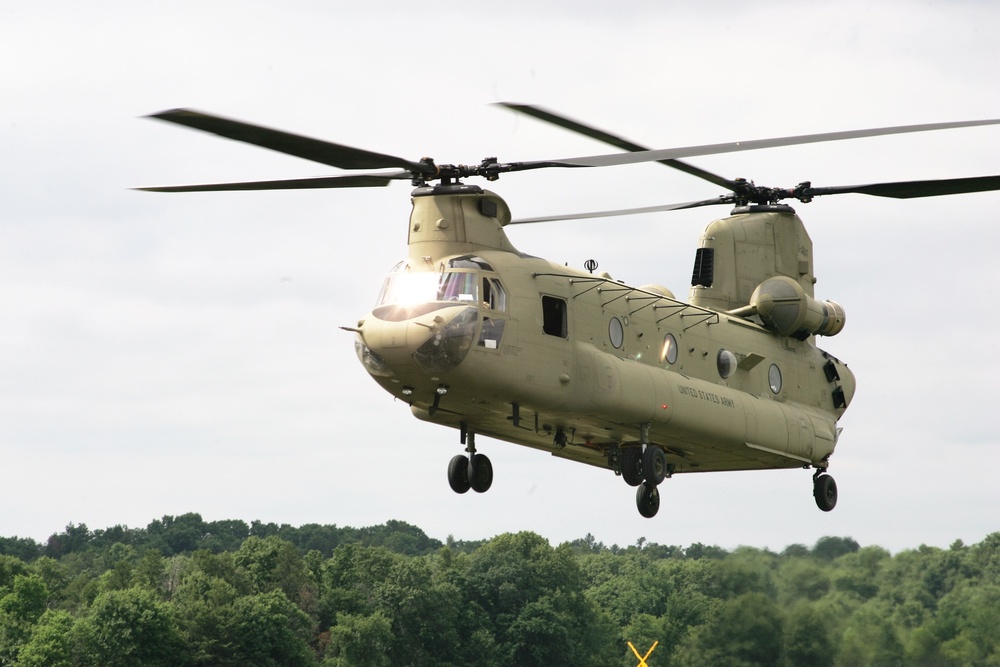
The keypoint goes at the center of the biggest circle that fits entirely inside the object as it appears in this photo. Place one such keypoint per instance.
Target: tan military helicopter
(474, 334)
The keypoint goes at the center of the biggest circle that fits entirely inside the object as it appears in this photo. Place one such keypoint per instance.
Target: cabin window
(774, 378)
(669, 351)
(726, 362)
(616, 332)
(554, 322)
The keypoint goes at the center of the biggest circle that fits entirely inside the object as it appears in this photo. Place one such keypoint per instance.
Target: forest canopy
(184, 591)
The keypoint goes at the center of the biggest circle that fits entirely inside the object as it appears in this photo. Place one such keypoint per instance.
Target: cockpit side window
(494, 295)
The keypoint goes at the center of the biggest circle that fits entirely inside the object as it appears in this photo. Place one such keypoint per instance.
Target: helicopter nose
(432, 343)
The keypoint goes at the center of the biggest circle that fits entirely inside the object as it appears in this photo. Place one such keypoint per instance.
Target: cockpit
(473, 312)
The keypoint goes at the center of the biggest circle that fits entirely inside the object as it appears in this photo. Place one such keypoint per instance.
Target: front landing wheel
(647, 499)
(825, 492)
(458, 474)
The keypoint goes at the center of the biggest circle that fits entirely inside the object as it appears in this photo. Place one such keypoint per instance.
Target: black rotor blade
(913, 189)
(359, 181)
(725, 199)
(614, 140)
(317, 150)
(899, 190)
(734, 147)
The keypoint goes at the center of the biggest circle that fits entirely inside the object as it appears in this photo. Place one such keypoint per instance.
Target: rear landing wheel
(480, 473)
(654, 465)
(825, 492)
(458, 474)
(630, 462)
(647, 499)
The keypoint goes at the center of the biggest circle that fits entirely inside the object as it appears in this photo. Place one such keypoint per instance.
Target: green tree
(869, 639)
(424, 613)
(51, 643)
(643, 632)
(75, 538)
(177, 534)
(19, 611)
(539, 635)
(272, 563)
(859, 572)
(829, 548)
(744, 571)
(225, 535)
(130, 627)
(966, 625)
(23, 548)
(625, 585)
(529, 590)
(742, 631)
(202, 603)
(359, 641)
(351, 578)
(268, 630)
(807, 638)
(801, 579)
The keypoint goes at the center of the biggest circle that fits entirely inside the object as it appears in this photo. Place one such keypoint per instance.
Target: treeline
(186, 592)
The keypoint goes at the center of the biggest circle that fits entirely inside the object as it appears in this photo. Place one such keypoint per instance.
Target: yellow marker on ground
(642, 658)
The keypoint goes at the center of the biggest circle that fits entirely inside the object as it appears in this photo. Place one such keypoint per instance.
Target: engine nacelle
(784, 307)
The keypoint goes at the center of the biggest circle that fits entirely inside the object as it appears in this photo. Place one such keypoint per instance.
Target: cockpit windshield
(405, 288)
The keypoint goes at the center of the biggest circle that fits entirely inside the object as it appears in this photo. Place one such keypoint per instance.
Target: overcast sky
(171, 353)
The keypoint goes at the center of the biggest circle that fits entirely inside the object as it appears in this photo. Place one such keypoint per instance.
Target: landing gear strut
(824, 490)
(470, 472)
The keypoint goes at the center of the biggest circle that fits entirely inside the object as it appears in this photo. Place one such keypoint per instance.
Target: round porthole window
(616, 332)
(669, 351)
(774, 378)
(726, 362)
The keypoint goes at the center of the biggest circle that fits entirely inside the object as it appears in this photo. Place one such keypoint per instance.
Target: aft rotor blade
(359, 181)
(614, 140)
(627, 211)
(317, 150)
(734, 147)
(913, 189)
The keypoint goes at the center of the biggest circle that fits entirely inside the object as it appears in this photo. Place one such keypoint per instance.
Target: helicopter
(473, 334)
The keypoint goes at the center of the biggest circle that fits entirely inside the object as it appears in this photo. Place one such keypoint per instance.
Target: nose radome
(432, 343)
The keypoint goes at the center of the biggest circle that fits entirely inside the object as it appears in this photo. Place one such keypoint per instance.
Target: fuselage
(475, 335)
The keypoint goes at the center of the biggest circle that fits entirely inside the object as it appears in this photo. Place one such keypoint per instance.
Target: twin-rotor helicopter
(476, 335)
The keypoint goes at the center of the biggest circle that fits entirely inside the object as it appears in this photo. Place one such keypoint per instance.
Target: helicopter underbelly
(582, 404)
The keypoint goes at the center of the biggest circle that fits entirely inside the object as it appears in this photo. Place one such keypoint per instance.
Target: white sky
(161, 354)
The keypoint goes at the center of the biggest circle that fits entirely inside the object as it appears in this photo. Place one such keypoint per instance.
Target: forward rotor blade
(614, 140)
(913, 189)
(627, 211)
(359, 181)
(715, 149)
(324, 152)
